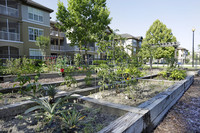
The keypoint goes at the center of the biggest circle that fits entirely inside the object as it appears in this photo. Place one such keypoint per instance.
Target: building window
(35, 14)
(35, 52)
(34, 33)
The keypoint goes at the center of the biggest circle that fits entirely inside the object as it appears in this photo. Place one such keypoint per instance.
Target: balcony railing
(56, 48)
(9, 36)
(55, 33)
(9, 11)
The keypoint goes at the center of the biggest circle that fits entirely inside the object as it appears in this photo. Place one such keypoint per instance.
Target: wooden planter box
(11, 78)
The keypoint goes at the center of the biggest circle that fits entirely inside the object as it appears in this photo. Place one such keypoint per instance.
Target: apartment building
(21, 22)
(131, 43)
(60, 45)
(182, 54)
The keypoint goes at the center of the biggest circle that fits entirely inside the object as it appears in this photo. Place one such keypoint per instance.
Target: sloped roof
(181, 48)
(129, 36)
(37, 5)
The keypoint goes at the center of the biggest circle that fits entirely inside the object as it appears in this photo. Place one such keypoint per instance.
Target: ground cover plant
(173, 74)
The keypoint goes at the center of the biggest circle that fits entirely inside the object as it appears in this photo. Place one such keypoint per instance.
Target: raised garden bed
(15, 97)
(11, 78)
(93, 121)
(132, 95)
(135, 119)
(148, 114)
(8, 87)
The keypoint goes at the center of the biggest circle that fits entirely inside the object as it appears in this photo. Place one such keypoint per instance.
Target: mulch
(184, 116)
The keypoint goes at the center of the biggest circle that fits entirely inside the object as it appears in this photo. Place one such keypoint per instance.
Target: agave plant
(51, 92)
(49, 110)
(72, 118)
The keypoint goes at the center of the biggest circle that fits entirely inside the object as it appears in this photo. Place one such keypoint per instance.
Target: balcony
(9, 11)
(11, 36)
(56, 33)
(56, 48)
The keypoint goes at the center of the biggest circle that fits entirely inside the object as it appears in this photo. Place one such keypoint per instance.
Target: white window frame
(37, 51)
(39, 30)
(35, 12)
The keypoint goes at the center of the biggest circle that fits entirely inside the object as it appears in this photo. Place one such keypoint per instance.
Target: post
(193, 48)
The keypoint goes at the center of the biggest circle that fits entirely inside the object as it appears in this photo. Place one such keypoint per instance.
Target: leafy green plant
(1, 95)
(163, 74)
(69, 80)
(98, 62)
(178, 74)
(48, 111)
(72, 119)
(22, 81)
(88, 77)
(35, 87)
(77, 59)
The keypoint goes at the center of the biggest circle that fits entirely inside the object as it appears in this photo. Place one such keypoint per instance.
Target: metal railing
(9, 36)
(9, 11)
(55, 33)
(57, 48)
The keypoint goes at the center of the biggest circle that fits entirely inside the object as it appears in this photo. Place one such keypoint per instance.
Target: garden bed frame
(143, 118)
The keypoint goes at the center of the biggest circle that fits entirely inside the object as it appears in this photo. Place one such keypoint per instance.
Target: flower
(128, 78)
(62, 70)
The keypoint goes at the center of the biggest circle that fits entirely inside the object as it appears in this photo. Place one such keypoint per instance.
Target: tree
(43, 43)
(83, 21)
(158, 33)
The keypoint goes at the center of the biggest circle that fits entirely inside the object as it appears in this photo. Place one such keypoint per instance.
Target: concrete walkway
(184, 116)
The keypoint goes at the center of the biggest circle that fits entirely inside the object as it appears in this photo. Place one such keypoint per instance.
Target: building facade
(21, 22)
(60, 45)
(182, 55)
(131, 44)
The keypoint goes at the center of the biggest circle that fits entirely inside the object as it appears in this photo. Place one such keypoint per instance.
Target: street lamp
(193, 48)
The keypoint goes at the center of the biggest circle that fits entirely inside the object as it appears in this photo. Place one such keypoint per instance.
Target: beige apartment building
(21, 22)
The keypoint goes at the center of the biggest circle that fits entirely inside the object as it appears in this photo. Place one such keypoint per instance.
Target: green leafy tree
(111, 44)
(158, 33)
(83, 21)
(43, 43)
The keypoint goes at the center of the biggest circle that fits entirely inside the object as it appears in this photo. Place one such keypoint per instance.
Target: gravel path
(184, 117)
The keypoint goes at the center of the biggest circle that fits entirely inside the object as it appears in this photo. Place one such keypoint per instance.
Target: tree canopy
(158, 33)
(43, 43)
(83, 20)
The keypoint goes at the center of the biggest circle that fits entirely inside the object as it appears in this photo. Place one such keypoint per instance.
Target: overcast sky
(136, 16)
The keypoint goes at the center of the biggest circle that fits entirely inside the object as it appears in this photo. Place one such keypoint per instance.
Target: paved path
(184, 116)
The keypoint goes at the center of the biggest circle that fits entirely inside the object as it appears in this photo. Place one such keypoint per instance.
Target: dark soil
(93, 121)
(184, 116)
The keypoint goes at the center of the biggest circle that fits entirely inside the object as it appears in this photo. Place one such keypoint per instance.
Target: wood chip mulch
(184, 116)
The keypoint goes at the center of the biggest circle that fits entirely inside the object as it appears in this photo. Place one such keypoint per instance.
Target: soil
(151, 72)
(184, 116)
(132, 95)
(93, 121)
(11, 98)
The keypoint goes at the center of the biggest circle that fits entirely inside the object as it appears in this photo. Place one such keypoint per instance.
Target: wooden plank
(112, 105)
(130, 123)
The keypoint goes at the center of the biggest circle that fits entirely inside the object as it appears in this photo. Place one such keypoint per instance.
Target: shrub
(178, 74)
(98, 62)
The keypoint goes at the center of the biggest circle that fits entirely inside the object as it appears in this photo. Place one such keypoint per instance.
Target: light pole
(193, 47)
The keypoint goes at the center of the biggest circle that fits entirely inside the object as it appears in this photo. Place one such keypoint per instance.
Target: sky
(136, 16)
